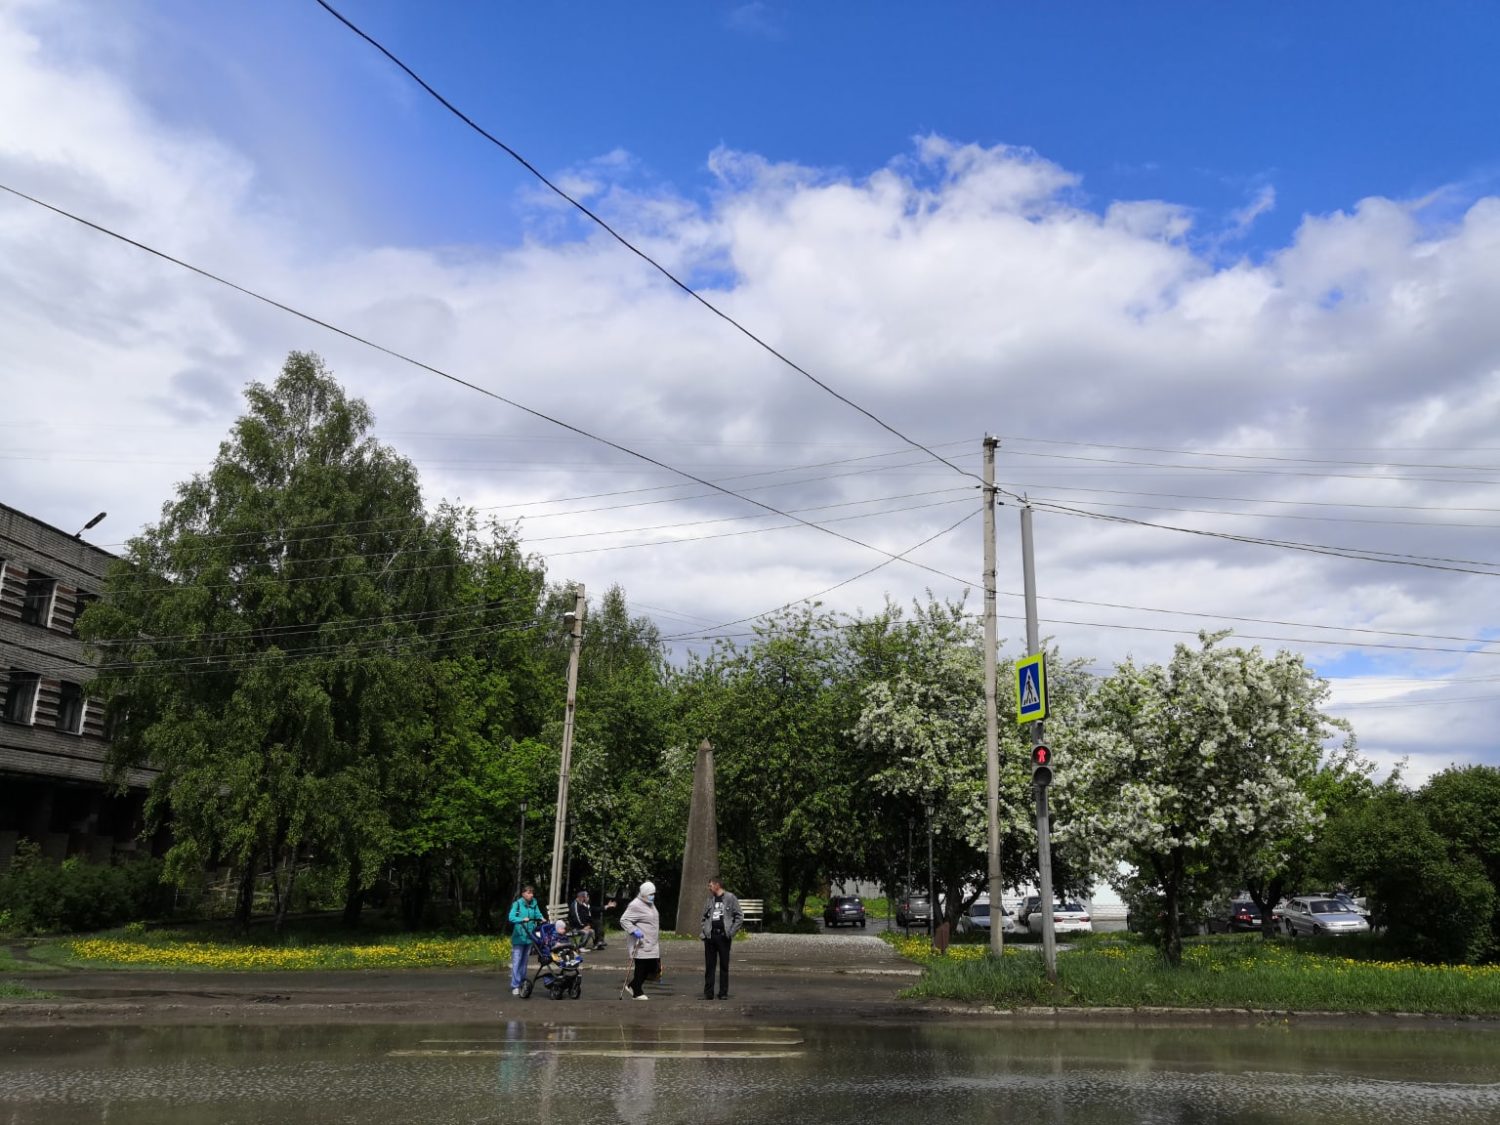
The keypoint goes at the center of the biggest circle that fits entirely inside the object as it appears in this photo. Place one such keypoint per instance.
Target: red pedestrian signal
(1041, 765)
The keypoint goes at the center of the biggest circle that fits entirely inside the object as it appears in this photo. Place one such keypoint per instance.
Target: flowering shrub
(168, 951)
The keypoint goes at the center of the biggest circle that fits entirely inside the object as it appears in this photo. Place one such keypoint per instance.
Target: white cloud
(959, 289)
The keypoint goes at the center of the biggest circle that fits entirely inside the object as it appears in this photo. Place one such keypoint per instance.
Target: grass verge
(10, 991)
(1229, 972)
(170, 949)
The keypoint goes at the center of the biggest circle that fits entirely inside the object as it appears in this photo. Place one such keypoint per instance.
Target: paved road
(773, 977)
(508, 1070)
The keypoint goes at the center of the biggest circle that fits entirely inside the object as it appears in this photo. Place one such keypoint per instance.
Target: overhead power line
(627, 244)
(550, 419)
(1254, 456)
(1392, 558)
(836, 585)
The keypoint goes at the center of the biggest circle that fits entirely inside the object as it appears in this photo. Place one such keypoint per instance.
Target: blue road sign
(1031, 689)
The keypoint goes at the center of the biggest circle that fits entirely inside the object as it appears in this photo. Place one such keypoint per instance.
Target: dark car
(844, 910)
(1239, 916)
(914, 910)
(1029, 906)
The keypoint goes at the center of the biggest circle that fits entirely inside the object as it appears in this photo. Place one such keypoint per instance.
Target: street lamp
(911, 881)
(520, 852)
(90, 525)
(932, 903)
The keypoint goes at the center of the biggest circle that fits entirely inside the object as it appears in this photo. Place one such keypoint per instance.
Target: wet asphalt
(539, 1071)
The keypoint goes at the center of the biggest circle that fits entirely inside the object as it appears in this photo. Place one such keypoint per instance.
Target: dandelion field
(1233, 972)
(176, 950)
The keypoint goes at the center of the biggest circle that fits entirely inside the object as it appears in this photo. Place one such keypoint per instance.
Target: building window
(20, 696)
(70, 708)
(36, 607)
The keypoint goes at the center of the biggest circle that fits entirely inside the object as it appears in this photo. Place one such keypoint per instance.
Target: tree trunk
(246, 901)
(414, 896)
(354, 894)
(284, 907)
(1171, 943)
(483, 922)
(1265, 898)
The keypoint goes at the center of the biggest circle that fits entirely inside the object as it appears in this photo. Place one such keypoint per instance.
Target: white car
(1316, 914)
(1067, 918)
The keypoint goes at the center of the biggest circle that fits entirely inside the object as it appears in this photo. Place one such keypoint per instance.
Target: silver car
(978, 917)
(1316, 915)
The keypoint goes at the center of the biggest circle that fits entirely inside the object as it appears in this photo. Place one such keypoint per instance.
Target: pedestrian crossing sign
(1031, 689)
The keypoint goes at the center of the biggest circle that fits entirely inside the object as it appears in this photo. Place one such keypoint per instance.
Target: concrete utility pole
(991, 716)
(560, 828)
(1043, 829)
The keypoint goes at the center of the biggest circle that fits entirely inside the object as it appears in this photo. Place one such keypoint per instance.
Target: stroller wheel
(526, 986)
(577, 990)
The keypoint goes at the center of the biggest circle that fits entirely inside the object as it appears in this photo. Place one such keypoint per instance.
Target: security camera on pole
(1031, 707)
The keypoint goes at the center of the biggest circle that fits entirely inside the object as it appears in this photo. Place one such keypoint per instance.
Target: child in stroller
(559, 963)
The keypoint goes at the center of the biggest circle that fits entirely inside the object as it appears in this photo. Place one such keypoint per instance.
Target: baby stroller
(559, 964)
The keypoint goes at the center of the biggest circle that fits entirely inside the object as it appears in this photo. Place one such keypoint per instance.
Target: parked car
(913, 910)
(979, 917)
(1067, 918)
(844, 910)
(1308, 914)
(1239, 916)
(1029, 906)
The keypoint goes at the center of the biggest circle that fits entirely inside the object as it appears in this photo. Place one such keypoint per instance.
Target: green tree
(921, 732)
(1463, 806)
(780, 713)
(1433, 901)
(268, 641)
(1194, 773)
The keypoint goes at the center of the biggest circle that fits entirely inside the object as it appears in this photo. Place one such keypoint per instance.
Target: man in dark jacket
(722, 919)
(581, 920)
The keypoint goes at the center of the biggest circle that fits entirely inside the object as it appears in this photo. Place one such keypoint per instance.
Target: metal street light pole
(520, 853)
(1043, 824)
(931, 884)
(560, 826)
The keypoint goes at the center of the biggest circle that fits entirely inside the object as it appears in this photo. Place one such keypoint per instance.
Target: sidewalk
(773, 977)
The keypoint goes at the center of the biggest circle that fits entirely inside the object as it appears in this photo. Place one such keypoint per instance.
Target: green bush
(40, 896)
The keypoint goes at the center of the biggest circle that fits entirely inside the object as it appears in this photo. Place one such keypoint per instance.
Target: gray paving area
(773, 976)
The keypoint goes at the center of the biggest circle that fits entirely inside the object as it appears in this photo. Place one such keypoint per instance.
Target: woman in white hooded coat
(643, 925)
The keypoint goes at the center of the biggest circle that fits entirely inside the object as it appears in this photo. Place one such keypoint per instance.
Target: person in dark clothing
(599, 921)
(722, 919)
(581, 921)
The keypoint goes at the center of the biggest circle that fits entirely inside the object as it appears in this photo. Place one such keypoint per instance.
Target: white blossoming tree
(1197, 774)
(922, 730)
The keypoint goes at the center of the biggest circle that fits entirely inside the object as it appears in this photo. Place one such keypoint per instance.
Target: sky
(1204, 267)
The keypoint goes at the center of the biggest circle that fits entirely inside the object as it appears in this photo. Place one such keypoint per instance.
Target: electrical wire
(840, 585)
(1255, 456)
(627, 244)
(1179, 469)
(1392, 558)
(647, 458)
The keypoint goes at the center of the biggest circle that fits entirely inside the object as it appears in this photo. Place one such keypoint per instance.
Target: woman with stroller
(525, 916)
(643, 924)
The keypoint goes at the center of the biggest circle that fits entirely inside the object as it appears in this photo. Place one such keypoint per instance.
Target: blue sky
(1227, 267)
(1201, 104)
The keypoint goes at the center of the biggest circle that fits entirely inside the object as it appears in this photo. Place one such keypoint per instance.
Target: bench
(754, 910)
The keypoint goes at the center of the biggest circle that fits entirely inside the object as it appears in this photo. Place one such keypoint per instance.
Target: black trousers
(645, 969)
(716, 949)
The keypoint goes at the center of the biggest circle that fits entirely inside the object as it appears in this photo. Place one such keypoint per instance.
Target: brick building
(52, 736)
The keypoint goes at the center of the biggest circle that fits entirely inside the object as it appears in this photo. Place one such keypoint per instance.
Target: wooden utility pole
(991, 715)
(560, 828)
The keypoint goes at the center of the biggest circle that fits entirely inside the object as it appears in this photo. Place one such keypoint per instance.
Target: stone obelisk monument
(700, 854)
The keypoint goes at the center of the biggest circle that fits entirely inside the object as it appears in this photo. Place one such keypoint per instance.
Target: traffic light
(1041, 765)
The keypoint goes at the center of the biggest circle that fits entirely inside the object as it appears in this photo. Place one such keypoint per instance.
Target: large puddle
(537, 1072)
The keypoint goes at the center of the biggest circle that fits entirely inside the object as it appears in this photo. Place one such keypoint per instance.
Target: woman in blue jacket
(525, 917)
